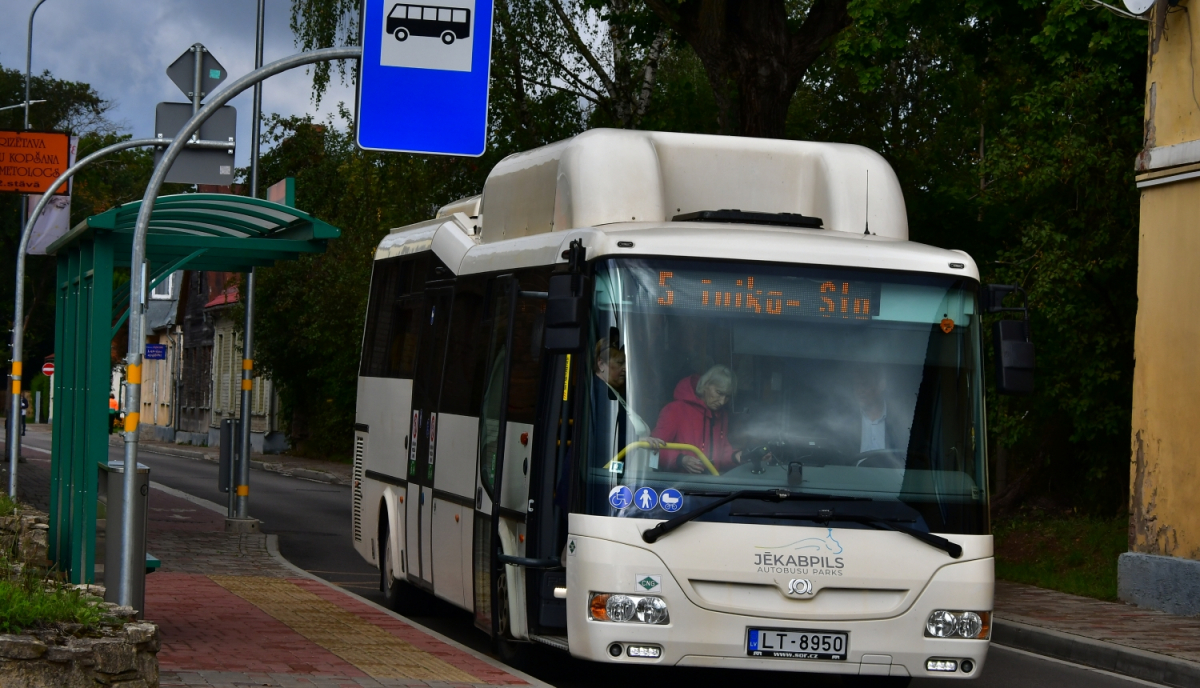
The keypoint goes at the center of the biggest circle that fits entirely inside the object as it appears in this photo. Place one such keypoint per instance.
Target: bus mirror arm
(528, 563)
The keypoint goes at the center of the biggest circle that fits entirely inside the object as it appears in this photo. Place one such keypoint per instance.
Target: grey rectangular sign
(195, 166)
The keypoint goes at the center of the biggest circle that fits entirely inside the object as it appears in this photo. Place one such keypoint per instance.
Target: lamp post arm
(137, 287)
(14, 444)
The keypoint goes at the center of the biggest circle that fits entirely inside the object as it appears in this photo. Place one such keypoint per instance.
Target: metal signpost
(196, 72)
(423, 79)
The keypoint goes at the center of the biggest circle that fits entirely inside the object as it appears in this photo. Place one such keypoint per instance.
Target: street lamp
(24, 105)
(29, 62)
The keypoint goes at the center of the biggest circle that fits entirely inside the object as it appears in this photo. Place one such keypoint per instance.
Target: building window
(164, 290)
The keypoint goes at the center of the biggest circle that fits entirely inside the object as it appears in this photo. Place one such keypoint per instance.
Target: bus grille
(360, 450)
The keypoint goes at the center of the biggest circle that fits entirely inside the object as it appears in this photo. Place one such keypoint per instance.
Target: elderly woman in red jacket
(698, 416)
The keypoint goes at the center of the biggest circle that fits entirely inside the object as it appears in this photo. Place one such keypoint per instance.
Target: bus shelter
(211, 232)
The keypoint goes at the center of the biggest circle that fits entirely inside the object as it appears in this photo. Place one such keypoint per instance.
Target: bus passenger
(698, 417)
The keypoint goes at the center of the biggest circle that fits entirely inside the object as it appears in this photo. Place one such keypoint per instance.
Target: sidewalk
(232, 612)
(1142, 643)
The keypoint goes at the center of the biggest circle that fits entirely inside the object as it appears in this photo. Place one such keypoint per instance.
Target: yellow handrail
(669, 445)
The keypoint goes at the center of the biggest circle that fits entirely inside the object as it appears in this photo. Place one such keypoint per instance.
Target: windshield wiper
(877, 522)
(653, 534)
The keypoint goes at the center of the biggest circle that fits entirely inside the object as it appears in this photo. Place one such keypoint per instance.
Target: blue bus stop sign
(423, 78)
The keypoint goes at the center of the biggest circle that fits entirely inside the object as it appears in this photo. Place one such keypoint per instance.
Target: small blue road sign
(672, 500)
(646, 499)
(156, 352)
(423, 78)
(620, 497)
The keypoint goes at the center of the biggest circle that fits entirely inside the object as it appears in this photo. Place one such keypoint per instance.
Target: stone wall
(119, 652)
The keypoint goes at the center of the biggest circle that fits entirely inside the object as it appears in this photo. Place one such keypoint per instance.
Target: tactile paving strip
(376, 652)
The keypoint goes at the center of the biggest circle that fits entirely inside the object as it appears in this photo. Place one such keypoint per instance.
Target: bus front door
(427, 390)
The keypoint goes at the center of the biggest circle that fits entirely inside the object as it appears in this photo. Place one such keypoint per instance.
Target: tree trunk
(751, 56)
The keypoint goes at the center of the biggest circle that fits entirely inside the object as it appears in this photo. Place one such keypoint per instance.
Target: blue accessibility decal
(620, 497)
(672, 500)
(646, 499)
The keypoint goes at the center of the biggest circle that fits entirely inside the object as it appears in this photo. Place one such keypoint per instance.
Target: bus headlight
(946, 624)
(620, 608)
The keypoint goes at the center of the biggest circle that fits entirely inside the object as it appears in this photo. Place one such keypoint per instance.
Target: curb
(1118, 659)
(273, 549)
(304, 473)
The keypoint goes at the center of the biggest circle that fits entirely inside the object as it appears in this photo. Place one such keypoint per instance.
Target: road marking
(372, 649)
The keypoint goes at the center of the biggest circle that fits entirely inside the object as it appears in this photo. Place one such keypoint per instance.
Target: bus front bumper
(699, 637)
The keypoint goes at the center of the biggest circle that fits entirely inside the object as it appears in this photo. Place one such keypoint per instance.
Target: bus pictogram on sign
(447, 23)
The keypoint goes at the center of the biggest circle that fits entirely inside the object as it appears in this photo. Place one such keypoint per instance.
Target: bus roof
(607, 175)
(619, 191)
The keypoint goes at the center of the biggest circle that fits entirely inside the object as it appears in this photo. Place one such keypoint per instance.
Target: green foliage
(1013, 127)
(27, 602)
(1072, 553)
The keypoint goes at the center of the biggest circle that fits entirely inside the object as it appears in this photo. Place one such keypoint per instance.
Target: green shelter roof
(219, 232)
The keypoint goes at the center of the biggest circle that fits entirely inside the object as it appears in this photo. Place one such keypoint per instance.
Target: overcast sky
(122, 48)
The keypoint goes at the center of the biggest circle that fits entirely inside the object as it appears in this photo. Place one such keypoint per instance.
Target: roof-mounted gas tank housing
(605, 176)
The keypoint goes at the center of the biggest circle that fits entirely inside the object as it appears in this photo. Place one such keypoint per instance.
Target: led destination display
(768, 295)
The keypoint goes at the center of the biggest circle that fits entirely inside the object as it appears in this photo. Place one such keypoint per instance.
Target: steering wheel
(880, 458)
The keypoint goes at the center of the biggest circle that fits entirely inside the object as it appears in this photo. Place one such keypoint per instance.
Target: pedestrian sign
(646, 499)
(423, 77)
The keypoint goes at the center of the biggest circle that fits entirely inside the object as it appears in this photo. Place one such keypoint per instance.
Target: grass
(32, 598)
(1066, 552)
(31, 602)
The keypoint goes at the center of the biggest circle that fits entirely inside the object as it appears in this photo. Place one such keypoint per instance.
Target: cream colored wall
(1165, 466)
(227, 382)
(1172, 113)
(157, 377)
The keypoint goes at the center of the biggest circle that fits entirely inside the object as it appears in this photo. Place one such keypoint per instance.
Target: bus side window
(386, 281)
(405, 335)
(462, 389)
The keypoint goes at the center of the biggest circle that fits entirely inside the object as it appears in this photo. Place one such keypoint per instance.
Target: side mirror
(566, 314)
(1011, 338)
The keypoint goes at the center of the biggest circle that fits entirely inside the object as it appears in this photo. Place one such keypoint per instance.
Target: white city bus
(691, 400)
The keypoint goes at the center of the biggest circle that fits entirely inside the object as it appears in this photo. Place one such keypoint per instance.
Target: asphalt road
(312, 521)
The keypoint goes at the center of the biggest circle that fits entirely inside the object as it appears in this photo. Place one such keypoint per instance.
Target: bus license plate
(796, 644)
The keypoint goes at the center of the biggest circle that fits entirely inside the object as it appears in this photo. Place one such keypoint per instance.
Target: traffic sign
(183, 71)
(31, 160)
(47, 369)
(423, 77)
(198, 165)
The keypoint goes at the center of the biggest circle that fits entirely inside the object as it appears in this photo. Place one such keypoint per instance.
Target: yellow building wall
(1165, 466)
(1172, 112)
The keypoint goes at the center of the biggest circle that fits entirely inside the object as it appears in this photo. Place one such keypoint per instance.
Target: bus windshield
(858, 390)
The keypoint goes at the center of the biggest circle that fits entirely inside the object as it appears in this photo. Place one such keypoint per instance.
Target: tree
(755, 53)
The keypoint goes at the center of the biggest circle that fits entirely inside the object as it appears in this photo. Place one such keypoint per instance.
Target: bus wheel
(447, 37)
(511, 652)
(401, 34)
(398, 595)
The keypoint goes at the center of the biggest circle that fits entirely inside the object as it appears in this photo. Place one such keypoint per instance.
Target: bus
(448, 23)
(673, 399)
